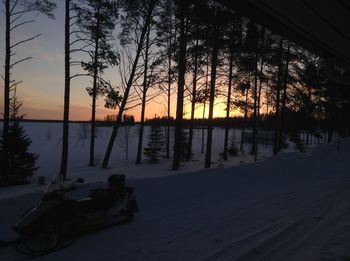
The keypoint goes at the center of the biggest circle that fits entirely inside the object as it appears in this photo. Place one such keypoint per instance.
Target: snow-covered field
(47, 143)
(289, 207)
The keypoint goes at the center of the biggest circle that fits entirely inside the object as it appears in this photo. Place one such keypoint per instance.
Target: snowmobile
(58, 218)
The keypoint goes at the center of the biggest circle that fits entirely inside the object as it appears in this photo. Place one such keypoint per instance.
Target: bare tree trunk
(228, 107)
(169, 97)
(170, 76)
(284, 99)
(267, 99)
(143, 105)
(64, 156)
(261, 74)
(94, 94)
(332, 114)
(205, 102)
(244, 119)
(260, 88)
(127, 146)
(277, 127)
(308, 117)
(142, 124)
(255, 118)
(214, 63)
(180, 87)
(258, 105)
(93, 126)
(128, 85)
(193, 104)
(7, 87)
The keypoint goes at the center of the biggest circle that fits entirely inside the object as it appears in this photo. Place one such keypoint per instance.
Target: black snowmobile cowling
(57, 218)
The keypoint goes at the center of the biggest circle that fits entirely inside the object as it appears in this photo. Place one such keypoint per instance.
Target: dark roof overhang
(321, 26)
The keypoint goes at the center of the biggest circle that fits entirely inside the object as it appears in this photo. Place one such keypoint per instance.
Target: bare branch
(24, 41)
(79, 74)
(80, 32)
(72, 17)
(19, 61)
(22, 23)
(79, 50)
(15, 19)
(14, 6)
(27, 11)
(81, 40)
(14, 84)
(73, 63)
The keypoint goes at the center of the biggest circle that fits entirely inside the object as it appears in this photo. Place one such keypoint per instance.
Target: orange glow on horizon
(219, 111)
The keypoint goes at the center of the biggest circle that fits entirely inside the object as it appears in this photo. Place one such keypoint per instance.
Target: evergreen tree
(186, 154)
(155, 145)
(20, 163)
(17, 14)
(233, 151)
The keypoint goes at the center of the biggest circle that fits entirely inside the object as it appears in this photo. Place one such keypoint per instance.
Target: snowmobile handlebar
(61, 187)
(78, 180)
(72, 186)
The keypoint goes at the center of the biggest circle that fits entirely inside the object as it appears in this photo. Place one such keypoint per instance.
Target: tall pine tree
(96, 20)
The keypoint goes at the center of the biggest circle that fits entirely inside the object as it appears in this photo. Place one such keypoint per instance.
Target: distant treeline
(296, 121)
(49, 121)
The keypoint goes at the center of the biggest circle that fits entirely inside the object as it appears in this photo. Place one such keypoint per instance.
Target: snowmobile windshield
(56, 184)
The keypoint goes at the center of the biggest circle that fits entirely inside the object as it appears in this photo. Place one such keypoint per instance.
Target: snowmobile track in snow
(272, 242)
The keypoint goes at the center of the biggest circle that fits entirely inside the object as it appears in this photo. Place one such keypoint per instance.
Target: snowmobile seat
(104, 198)
(93, 204)
(116, 185)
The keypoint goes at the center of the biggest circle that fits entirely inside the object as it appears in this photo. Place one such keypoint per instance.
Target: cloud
(53, 57)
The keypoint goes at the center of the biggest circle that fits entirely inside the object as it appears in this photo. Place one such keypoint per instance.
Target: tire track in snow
(254, 246)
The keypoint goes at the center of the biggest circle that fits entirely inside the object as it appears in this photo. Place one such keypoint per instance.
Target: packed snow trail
(290, 207)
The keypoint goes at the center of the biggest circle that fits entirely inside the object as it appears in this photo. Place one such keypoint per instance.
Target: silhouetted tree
(166, 33)
(182, 17)
(145, 87)
(233, 47)
(19, 161)
(16, 16)
(217, 20)
(126, 133)
(151, 61)
(233, 151)
(96, 20)
(155, 144)
(138, 16)
(278, 88)
(284, 98)
(185, 146)
(196, 59)
(67, 80)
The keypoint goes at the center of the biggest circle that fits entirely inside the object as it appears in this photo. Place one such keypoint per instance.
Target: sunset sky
(43, 77)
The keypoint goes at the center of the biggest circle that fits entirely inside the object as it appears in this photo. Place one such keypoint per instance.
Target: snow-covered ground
(47, 142)
(289, 207)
